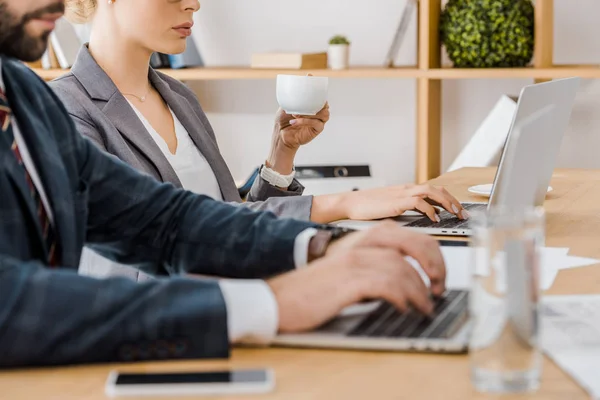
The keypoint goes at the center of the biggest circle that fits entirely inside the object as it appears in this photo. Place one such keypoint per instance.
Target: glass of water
(504, 347)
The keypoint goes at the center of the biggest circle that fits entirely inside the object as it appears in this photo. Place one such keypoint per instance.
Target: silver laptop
(380, 326)
(535, 157)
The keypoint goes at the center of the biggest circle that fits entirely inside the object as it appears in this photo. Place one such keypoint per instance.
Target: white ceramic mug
(302, 95)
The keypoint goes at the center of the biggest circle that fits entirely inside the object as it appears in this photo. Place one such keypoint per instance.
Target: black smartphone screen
(454, 243)
(241, 376)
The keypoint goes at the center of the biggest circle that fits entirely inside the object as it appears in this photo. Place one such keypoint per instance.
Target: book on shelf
(400, 33)
(279, 60)
(189, 58)
(159, 60)
(53, 59)
(65, 42)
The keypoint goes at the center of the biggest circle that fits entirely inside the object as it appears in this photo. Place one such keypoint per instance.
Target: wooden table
(573, 220)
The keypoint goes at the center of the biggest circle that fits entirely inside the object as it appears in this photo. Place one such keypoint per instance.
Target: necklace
(142, 99)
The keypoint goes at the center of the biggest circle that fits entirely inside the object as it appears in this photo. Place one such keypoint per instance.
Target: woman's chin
(172, 48)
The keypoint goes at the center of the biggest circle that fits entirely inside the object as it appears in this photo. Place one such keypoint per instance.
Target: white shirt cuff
(301, 246)
(252, 312)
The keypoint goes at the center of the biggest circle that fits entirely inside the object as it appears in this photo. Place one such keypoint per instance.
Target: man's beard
(14, 40)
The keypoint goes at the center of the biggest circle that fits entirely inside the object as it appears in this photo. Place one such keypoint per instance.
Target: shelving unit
(429, 74)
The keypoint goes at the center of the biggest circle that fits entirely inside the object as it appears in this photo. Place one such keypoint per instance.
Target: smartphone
(453, 243)
(210, 383)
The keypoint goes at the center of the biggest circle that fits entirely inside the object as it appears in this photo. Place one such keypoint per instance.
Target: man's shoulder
(22, 71)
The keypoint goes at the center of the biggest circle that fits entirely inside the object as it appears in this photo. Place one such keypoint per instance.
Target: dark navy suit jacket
(55, 316)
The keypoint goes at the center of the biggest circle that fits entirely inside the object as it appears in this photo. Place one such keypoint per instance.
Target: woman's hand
(298, 130)
(385, 203)
(291, 132)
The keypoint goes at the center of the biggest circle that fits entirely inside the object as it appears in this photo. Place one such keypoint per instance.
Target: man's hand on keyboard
(389, 235)
(364, 265)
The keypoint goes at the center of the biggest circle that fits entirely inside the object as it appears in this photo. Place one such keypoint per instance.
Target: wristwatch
(275, 178)
(325, 236)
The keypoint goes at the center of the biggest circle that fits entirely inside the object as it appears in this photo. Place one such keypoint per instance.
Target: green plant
(488, 33)
(338, 39)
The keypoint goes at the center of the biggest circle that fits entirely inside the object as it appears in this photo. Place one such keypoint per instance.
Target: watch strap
(275, 178)
(319, 243)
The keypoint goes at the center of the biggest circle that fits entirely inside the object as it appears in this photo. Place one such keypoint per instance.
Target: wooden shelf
(223, 73)
(198, 74)
(555, 72)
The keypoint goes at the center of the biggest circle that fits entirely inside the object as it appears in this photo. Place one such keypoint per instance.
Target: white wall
(373, 121)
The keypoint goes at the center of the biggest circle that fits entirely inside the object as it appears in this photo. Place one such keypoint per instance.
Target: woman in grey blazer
(146, 119)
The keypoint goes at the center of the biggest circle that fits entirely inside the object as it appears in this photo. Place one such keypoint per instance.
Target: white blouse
(191, 168)
(188, 162)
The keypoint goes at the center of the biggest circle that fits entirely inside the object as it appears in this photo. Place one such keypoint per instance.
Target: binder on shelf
(65, 42)
(400, 33)
(189, 58)
(46, 64)
(54, 63)
(159, 60)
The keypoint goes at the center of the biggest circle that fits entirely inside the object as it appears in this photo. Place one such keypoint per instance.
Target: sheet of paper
(571, 337)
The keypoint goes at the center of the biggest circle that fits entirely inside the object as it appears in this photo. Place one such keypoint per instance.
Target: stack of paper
(571, 337)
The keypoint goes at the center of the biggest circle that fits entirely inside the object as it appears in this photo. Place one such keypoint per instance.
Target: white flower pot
(338, 56)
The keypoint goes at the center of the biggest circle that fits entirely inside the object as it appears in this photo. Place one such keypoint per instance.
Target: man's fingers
(417, 292)
(423, 248)
(396, 281)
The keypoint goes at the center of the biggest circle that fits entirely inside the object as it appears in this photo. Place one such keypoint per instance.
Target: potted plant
(338, 55)
(488, 34)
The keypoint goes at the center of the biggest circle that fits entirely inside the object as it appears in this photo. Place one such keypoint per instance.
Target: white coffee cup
(302, 95)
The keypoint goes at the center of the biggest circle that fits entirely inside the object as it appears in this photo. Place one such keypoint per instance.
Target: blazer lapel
(199, 134)
(16, 174)
(48, 163)
(119, 112)
(124, 118)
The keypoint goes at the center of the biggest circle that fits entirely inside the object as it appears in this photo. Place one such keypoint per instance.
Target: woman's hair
(80, 11)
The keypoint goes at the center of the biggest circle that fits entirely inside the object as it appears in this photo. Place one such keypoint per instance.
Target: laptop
(535, 156)
(380, 326)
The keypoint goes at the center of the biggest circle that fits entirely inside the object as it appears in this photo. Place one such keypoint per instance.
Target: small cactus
(339, 39)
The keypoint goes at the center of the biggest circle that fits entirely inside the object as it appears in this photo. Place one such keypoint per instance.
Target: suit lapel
(17, 176)
(118, 110)
(199, 134)
(47, 161)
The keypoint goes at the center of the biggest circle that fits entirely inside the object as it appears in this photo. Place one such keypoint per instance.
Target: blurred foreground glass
(504, 348)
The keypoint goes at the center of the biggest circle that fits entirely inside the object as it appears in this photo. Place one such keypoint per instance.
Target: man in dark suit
(57, 192)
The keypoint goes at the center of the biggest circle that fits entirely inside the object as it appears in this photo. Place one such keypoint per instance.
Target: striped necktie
(48, 232)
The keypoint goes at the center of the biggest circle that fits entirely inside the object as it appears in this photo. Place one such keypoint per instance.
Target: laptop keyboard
(386, 321)
(448, 220)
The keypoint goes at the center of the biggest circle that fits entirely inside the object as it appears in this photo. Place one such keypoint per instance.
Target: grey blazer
(102, 113)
